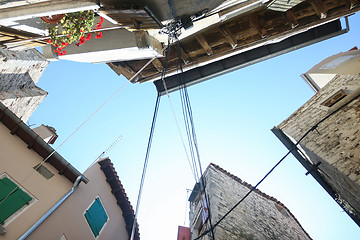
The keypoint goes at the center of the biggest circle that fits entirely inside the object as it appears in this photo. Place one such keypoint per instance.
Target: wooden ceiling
(240, 33)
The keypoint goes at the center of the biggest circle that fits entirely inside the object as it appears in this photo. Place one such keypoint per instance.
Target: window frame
(24, 207)
(87, 221)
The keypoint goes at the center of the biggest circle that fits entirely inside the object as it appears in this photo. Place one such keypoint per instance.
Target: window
(335, 98)
(12, 198)
(43, 171)
(96, 217)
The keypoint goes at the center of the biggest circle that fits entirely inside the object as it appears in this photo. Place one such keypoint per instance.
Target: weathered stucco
(336, 141)
(259, 216)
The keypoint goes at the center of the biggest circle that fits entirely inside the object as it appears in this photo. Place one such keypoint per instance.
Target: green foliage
(71, 28)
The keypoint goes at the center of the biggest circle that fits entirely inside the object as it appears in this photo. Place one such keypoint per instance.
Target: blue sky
(233, 115)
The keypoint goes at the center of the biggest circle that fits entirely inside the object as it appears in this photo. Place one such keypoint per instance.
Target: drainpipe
(51, 210)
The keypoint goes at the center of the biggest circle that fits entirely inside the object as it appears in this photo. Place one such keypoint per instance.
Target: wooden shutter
(13, 202)
(96, 217)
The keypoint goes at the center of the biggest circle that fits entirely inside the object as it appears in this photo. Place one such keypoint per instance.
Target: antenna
(109, 148)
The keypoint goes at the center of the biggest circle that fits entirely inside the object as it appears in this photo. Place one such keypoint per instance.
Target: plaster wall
(115, 45)
(258, 217)
(336, 142)
(70, 214)
(17, 161)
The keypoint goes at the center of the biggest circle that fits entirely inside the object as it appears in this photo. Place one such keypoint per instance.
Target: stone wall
(23, 102)
(17, 63)
(336, 141)
(259, 216)
(19, 72)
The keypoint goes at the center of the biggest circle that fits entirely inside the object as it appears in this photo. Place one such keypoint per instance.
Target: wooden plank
(184, 56)
(228, 35)
(291, 18)
(157, 64)
(204, 44)
(351, 3)
(255, 21)
(319, 8)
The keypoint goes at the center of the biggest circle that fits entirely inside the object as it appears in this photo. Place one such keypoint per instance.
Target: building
(330, 151)
(19, 73)
(259, 216)
(29, 186)
(40, 190)
(97, 210)
(216, 36)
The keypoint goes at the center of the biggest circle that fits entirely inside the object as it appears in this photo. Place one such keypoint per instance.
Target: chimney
(184, 233)
(47, 133)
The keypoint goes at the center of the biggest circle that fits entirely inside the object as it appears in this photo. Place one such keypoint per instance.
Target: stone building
(259, 216)
(19, 73)
(331, 150)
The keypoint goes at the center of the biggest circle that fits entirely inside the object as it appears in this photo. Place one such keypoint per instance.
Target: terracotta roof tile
(119, 193)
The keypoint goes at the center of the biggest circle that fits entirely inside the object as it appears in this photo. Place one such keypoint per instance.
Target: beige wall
(70, 215)
(17, 161)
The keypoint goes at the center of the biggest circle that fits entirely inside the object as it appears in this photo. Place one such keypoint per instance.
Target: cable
(189, 121)
(294, 147)
(82, 124)
(145, 165)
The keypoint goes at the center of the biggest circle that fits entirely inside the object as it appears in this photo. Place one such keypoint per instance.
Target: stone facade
(259, 216)
(19, 72)
(335, 144)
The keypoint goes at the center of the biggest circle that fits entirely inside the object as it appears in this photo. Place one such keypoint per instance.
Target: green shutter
(13, 202)
(96, 217)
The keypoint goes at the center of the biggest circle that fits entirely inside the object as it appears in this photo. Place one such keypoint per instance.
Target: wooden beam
(351, 4)
(319, 8)
(157, 64)
(184, 56)
(291, 18)
(258, 25)
(125, 70)
(204, 44)
(229, 36)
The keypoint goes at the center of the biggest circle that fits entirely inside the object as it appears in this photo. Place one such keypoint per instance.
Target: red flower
(62, 53)
(88, 37)
(56, 45)
(67, 43)
(48, 41)
(82, 40)
(62, 43)
(98, 35)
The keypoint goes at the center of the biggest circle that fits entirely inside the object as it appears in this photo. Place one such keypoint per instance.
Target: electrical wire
(294, 147)
(190, 126)
(77, 129)
(145, 165)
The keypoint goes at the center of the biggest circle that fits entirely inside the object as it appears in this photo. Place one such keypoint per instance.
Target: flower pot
(53, 18)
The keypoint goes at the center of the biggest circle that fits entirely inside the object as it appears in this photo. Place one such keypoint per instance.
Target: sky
(233, 115)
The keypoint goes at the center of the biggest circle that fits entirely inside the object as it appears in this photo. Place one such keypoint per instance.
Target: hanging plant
(73, 27)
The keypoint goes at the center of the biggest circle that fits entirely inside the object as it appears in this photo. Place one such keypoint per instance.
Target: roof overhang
(255, 55)
(36, 143)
